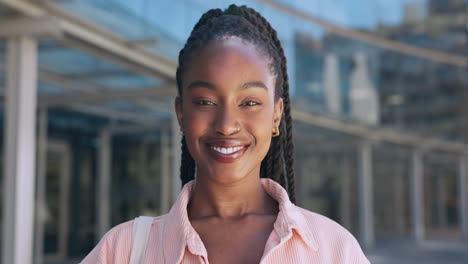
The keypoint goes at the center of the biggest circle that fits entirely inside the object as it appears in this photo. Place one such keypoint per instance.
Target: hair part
(251, 26)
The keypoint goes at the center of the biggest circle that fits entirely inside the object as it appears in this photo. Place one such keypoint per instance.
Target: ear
(278, 112)
(178, 109)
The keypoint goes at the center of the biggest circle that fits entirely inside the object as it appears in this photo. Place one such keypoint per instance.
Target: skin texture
(228, 101)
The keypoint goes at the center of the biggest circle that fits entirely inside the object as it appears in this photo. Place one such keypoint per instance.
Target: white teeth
(227, 150)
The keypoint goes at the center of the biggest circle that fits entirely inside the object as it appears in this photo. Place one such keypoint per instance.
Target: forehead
(229, 60)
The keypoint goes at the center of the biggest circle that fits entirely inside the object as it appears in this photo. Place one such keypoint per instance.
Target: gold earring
(275, 132)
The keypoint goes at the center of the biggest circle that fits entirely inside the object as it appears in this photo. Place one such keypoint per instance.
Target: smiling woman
(228, 103)
(237, 203)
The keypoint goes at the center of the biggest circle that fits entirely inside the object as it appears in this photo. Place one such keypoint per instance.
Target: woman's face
(227, 111)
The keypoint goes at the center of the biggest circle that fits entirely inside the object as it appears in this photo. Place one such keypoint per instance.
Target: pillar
(416, 195)
(165, 199)
(441, 197)
(19, 150)
(366, 212)
(103, 190)
(463, 196)
(345, 193)
(41, 186)
(399, 198)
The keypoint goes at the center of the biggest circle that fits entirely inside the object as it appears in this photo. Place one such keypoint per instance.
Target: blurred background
(89, 138)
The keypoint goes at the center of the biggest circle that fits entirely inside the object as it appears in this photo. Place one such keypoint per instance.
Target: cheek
(195, 119)
(260, 125)
(261, 129)
(259, 121)
(195, 125)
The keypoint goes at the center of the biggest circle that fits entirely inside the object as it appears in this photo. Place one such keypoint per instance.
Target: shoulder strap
(141, 230)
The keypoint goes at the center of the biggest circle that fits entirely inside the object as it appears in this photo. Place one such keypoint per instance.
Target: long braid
(286, 125)
(287, 120)
(266, 166)
(251, 26)
(290, 157)
(278, 165)
(289, 144)
(187, 167)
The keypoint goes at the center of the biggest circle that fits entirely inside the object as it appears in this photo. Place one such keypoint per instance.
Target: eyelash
(204, 102)
(251, 103)
(210, 103)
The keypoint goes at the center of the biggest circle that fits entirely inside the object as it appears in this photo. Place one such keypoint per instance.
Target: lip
(236, 149)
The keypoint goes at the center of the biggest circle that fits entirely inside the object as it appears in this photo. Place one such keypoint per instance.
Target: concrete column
(165, 172)
(41, 186)
(176, 159)
(331, 83)
(366, 212)
(140, 205)
(20, 150)
(416, 195)
(103, 190)
(399, 200)
(441, 196)
(345, 193)
(65, 179)
(463, 191)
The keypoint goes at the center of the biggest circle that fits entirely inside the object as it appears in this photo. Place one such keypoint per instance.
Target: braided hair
(249, 25)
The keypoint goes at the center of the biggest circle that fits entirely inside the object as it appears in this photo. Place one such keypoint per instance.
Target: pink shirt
(298, 236)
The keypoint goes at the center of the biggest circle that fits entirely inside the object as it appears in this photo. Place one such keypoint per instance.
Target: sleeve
(356, 255)
(114, 247)
(100, 254)
(360, 258)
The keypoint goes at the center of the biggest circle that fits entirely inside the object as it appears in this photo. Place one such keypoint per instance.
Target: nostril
(227, 120)
(226, 129)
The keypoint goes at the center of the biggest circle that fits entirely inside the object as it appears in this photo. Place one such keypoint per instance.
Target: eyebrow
(256, 84)
(201, 84)
(247, 85)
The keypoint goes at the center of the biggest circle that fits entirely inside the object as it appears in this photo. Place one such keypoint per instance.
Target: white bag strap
(141, 230)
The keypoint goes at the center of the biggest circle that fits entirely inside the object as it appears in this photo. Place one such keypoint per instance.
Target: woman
(233, 108)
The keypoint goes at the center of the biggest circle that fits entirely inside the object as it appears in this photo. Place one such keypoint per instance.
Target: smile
(227, 151)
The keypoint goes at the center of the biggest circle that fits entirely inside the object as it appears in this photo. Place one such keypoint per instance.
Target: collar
(290, 217)
(178, 234)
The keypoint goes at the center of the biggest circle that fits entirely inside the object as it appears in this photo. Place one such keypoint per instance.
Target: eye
(204, 102)
(250, 103)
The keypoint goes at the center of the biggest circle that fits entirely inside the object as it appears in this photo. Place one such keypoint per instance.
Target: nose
(227, 121)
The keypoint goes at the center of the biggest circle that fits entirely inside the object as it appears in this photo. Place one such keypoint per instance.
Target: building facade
(90, 140)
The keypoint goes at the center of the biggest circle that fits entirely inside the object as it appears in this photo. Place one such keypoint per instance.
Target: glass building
(89, 136)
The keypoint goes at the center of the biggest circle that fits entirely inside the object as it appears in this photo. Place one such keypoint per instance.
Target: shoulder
(332, 238)
(115, 246)
(323, 225)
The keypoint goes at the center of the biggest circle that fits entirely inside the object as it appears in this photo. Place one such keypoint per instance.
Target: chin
(227, 175)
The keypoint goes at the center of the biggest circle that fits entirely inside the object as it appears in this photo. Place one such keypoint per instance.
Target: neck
(231, 200)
